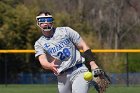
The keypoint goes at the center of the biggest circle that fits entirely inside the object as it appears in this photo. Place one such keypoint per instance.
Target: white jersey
(61, 46)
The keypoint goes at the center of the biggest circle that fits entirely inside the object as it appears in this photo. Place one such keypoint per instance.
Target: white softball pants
(73, 81)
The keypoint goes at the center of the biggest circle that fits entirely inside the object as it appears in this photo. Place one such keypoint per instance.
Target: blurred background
(103, 24)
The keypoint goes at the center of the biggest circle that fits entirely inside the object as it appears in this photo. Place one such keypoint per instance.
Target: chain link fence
(23, 68)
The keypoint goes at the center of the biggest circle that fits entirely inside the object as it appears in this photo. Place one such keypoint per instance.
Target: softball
(88, 76)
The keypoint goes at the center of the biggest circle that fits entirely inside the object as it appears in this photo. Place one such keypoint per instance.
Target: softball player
(58, 50)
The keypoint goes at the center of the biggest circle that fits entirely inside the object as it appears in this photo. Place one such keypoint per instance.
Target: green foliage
(62, 18)
(18, 24)
(18, 30)
(134, 62)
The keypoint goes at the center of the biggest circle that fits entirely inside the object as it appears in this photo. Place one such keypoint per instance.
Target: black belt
(71, 69)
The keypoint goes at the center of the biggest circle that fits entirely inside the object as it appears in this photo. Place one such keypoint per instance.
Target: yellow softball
(88, 76)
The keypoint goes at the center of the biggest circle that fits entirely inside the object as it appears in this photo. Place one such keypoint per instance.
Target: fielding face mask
(45, 19)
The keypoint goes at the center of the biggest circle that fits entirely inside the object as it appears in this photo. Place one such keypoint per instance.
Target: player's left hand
(101, 80)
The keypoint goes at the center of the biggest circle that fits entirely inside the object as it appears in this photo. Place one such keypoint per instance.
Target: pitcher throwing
(58, 50)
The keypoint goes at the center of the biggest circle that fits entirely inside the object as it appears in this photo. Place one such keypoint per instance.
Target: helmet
(45, 19)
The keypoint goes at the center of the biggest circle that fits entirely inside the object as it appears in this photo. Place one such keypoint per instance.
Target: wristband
(89, 56)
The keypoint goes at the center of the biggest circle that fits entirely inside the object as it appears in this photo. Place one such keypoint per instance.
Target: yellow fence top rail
(17, 51)
(96, 51)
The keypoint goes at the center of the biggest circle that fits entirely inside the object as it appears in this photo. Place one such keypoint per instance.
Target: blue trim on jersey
(74, 59)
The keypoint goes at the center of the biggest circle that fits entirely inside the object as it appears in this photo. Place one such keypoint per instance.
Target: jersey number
(64, 54)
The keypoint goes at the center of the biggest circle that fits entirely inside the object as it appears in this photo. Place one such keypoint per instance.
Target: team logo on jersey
(46, 45)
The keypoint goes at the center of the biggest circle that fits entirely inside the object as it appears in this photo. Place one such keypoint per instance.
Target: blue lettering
(53, 49)
(57, 47)
(49, 51)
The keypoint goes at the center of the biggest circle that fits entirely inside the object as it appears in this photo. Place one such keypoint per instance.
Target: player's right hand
(54, 67)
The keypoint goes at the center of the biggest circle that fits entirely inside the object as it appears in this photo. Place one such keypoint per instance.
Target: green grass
(53, 89)
(28, 89)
